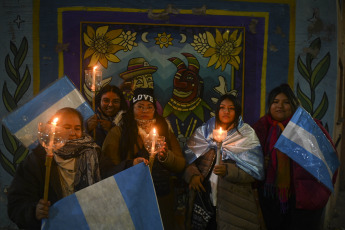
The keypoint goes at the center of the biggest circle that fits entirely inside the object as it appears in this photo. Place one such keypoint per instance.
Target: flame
(55, 121)
(154, 131)
(94, 68)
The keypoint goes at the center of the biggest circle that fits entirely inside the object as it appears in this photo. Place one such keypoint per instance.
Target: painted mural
(188, 65)
(191, 53)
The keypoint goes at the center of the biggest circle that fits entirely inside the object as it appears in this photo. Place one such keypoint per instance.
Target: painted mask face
(281, 108)
(142, 81)
(143, 110)
(227, 112)
(71, 123)
(186, 86)
(110, 104)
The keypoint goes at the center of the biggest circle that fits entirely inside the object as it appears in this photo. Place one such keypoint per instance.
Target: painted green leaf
(320, 70)
(11, 71)
(305, 101)
(20, 154)
(21, 55)
(322, 108)
(302, 69)
(314, 45)
(23, 86)
(8, 100)
(168, 109)
(199, 112)
(6, 164)
(13, 48)
(9, 140)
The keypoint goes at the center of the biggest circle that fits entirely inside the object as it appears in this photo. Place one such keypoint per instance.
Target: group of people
(254, 186)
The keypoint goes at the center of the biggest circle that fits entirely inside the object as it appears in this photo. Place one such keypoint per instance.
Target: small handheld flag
(304, 142)
(23, 122)
(126, 200)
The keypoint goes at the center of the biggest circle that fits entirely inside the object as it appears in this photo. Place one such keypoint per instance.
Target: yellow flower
(163, 40)
(102, 45)
(224, 49)
(128, 40)
(200, 43)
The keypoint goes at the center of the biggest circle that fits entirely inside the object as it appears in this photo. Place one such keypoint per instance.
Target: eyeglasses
(226, 109)
(143, 108)
(107, 101)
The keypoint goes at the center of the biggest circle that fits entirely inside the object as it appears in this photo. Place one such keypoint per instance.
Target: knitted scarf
(278, 170)
(86, 153)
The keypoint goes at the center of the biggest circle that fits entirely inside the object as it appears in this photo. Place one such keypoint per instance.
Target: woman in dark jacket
(124, 145)
(109, 103)
(75, 166)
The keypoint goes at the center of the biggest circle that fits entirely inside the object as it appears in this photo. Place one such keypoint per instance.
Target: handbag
(203, 210)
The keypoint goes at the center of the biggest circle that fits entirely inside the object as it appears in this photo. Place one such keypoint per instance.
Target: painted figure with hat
(138, 75)
(186, 109)
(124, 145)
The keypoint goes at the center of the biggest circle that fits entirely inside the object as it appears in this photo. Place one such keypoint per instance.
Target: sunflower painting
(103, 45)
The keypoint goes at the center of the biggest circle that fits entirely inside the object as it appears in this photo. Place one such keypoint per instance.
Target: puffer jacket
(236, 204)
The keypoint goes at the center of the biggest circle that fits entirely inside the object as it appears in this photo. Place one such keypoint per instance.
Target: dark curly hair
(114, 89)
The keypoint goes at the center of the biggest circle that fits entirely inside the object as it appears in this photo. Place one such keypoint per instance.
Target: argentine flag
(23, 122)
(126, 200)
(304, 142)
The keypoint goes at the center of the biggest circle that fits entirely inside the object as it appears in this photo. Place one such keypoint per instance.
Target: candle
(219, 135)
(49, 158)
(52, 136)
(154, 134)
(93, 87)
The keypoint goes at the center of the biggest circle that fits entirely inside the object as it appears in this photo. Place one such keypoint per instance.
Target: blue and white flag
(304, 142)
(126, 200)
(23, 122)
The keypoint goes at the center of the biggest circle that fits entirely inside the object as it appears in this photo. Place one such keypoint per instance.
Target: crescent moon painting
(183, 38)
(143, 37)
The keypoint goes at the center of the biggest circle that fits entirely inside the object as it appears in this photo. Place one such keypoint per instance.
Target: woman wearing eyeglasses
(109, 103)
(124, 144)
(221, 195)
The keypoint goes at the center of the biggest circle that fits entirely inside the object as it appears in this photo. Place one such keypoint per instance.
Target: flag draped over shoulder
(304, 142)
(126, 200)
(241, 146)
(23, 122)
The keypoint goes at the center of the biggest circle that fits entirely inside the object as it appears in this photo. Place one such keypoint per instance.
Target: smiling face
(186, 86)
(281, 108)
(72, 123)
(110, 103)
(143, 110)
(227, 113)
(142, 81)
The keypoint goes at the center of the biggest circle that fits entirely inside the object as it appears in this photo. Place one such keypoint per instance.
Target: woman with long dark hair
(124, 144)
(109, 103)
(222, 195)
(290, 197)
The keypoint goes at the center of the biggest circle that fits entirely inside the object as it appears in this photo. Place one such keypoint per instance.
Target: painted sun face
(281, 108)
(142, 81)
(186, 86)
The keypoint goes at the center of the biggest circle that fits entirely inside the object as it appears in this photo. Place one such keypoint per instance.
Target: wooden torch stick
(48, 164)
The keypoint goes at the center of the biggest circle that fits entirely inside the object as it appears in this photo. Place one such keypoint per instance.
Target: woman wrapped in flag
(78, 164)
(290, 197)
(224, 196)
